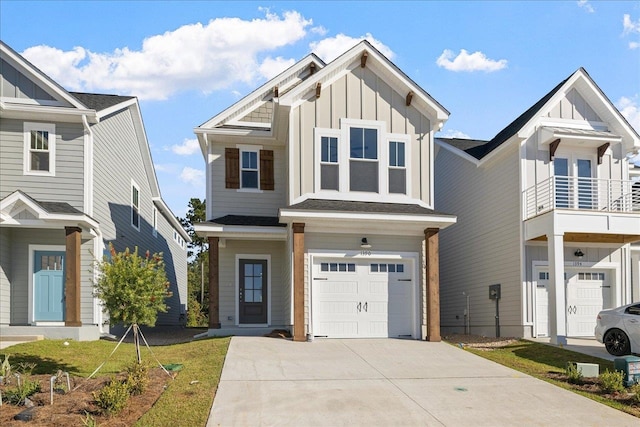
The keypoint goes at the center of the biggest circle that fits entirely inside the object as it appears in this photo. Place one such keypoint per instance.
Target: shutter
(266, 170)
(232, 167)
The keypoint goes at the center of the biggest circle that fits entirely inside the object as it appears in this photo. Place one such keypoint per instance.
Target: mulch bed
(70, 409)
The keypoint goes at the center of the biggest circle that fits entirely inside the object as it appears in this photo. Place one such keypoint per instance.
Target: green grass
(182, 403)
(538, 360)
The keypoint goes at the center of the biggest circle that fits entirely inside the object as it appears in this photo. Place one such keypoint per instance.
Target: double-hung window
(249, 169)
(397, 168)
(135, 206)
(329, 169)
(363, 159)
(39, 148)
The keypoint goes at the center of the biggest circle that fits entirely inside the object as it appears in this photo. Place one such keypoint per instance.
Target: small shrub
(137, 378)
(5, 367)
(89, 421)
(635, 390)
(574, 376)
(16, 395)
(611, 382)
(26, 368)
(112, 398)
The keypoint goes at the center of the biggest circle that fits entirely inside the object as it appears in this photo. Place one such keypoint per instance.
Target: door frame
(369, 256)
(572, 155)
(31, 273)
(259, 257)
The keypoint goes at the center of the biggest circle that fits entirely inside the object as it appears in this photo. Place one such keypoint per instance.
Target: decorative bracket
(409, 98)
(601, 150)
(318, 89)
(552, 148)
(363, 59)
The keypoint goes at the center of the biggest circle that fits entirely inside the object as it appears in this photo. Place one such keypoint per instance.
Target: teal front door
(48, 286)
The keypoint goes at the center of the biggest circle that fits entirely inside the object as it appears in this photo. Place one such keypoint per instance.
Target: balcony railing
(603, 195)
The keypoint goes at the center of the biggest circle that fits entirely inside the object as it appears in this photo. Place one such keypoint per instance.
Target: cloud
(330, 48)
(187, 148)
(628, 26)
(476, 61)
(634, 45)
(630, 109)
(271, 67)
(204, 57)
(192, 176)
(452, 133)
(586, 6)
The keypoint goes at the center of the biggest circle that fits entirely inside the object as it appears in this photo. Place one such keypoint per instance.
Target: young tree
(133, 289)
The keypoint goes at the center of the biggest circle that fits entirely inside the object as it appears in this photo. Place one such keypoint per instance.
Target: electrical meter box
(630, 366)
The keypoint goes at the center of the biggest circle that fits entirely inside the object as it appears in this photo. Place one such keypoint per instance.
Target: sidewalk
(587, 346)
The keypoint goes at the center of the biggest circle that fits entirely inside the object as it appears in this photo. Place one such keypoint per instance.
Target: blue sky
(486, 62)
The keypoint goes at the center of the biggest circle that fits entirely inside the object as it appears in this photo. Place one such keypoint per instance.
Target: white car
(619, 329)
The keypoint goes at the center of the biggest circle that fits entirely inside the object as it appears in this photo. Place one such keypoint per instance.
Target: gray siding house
(320, 204)
(548, 210)
(75, 175)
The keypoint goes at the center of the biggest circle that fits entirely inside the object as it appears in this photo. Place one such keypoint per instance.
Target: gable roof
(100, 102)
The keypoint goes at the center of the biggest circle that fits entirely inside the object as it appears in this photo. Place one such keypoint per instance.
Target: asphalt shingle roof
(99, 102)
(259, 221)
(364, 207)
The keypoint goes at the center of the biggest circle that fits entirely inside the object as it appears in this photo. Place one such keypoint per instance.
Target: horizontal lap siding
(5, 274)
(68, 181)
(483, 247)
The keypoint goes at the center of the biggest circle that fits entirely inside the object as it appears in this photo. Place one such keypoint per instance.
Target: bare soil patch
(70, 409)
(479, 342)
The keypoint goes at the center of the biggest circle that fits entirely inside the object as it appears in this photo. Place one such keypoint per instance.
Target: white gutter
(88, 167)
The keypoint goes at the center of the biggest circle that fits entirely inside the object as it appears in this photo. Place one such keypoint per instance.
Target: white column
(557, 297)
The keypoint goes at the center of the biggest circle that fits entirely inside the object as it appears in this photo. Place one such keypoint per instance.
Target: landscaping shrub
(635, 389)
(137, 378)
(112, 398)
(26, 388)
(574, 376)
(611, 382)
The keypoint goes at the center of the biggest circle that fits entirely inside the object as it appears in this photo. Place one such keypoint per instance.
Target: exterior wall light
(579, 254)
(364, 244)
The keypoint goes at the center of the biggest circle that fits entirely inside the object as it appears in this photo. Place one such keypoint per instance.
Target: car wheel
(617, 342)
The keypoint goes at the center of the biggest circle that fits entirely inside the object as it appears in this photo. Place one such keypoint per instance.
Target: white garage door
(362, 299)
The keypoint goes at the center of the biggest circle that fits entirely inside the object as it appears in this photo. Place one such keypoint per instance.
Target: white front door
(362, 299)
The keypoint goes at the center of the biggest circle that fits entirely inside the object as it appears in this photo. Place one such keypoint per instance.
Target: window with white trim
(397, 168)
(178, 239)
(249, 175)
(363, 159)
(329, 168)
(154, 218)
(135, 206)
(39, 148)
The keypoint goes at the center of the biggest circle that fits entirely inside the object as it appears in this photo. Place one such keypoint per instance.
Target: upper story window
(154, 218)
(179, 240)
(135, 206)
(249, 168)
(362, 161)
(39, 148)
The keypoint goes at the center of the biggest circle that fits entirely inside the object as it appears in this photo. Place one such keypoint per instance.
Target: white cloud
(187, 148)
(192, 176)
(477, 61)
(629, 26)
(634, 45)
(271, 67)
(320, 30)
(586, 5)
(452, 133)
(630, 109)
(330, 48)
(198, 56)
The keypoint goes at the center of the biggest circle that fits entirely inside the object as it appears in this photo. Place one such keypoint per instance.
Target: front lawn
(187, 398)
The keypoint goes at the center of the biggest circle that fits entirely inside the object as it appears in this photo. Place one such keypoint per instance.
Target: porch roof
(364, 207)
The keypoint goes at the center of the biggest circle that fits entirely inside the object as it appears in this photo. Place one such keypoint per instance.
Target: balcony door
(575, 186)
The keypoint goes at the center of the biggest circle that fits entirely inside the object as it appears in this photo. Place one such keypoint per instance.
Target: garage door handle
(365, 306)
(404, 280)
(319, 278)
(359, 307)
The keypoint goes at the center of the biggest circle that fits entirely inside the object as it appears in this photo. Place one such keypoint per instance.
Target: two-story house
(546, 217)
(75, 175)
(320, 199)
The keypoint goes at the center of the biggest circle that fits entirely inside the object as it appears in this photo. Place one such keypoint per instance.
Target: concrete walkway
(386, 382)
(581, 345)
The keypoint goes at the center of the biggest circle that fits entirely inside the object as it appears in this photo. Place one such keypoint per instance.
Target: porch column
(298, 282)
(72, 276)
(432, 275)
(557, 301)
(214, 283)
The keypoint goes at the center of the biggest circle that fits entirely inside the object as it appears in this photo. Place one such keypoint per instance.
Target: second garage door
(362, 299)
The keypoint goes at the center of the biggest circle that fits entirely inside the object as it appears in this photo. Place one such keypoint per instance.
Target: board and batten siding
(68, 181)
(360, 94)
(228, 273)
(226, 201)
(483, 247)
(117, 161)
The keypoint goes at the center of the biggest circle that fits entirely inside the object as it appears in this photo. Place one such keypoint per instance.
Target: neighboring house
(545, 210)
(320, 204)
(75, 175)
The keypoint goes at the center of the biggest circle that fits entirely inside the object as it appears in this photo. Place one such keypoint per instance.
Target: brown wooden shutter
(232, 167)
(266, 170)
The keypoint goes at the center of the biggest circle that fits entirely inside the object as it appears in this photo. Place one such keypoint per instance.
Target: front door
(252, 292)
(575, 186)
(48, 286)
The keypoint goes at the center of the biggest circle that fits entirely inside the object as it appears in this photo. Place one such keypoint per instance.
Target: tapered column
(557, 298)
(72, 276)
(214, 283)
(299, 333)
(432, 275)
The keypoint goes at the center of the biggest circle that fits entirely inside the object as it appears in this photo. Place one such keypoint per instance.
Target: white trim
(154, 221)
(356, 255)
(121, 106)
(30, 293)
(250, 149)
(50, 128)
(88, 167)
(136, 209)
(259, 257)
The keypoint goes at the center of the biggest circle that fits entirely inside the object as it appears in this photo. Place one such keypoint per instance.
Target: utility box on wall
(630, 366)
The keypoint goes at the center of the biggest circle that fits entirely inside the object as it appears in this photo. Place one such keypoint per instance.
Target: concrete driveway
(386, 382)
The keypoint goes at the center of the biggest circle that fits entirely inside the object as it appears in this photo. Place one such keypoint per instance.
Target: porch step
(20, 338)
